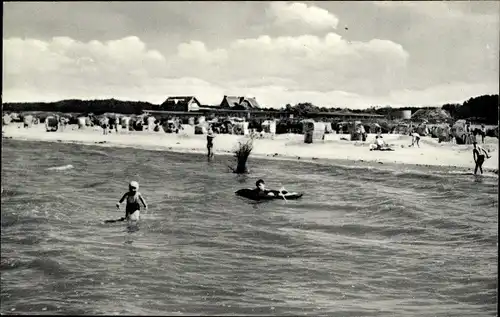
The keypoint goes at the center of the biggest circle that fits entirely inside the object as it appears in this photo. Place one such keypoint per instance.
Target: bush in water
(242, 153)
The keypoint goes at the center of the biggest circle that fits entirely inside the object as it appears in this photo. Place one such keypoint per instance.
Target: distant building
(239, 103)
(243, 107)
(183, 103)
(402, 114)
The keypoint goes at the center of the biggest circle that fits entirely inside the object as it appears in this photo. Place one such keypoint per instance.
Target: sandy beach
(284, 146)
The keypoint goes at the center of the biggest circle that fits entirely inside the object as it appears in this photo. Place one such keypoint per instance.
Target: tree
(451, 108)
(304, 108)
(482, 108)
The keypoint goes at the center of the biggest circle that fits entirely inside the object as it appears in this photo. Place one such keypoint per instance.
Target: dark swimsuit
(132, 206)
(209, 142)
(480, 157)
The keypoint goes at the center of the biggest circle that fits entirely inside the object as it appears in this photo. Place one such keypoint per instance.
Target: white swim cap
(134, 184)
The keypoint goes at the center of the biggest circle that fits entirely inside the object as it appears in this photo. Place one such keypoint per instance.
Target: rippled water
(363, 241)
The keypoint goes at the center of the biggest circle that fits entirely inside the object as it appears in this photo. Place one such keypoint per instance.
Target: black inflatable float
(254, 195)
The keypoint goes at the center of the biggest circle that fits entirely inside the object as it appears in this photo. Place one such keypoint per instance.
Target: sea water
(365, 240)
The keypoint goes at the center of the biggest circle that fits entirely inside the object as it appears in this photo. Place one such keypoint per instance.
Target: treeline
(482, 109)
(82, 106)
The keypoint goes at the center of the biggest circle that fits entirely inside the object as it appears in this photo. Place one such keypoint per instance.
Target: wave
(95, 184)
(60, 168)
(485, 174)
(12, 192)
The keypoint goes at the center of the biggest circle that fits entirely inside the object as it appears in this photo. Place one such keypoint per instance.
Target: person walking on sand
(133, 197)
(478, 153)
(210, 143)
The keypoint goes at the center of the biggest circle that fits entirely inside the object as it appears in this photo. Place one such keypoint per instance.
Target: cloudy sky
(333, 54)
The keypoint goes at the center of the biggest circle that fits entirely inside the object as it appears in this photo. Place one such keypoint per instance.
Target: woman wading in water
(210, 143)
(478, 154)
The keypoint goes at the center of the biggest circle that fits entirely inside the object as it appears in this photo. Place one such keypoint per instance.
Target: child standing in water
(132, 209)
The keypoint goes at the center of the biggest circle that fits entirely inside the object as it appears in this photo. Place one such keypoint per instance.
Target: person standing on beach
(210, 143)
(478, 153)
(104, 122)
(483, 132)
(60, 120)
(415, 139)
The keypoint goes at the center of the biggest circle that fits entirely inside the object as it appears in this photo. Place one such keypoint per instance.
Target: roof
(253, 103)
(234, 101)
(180, 99)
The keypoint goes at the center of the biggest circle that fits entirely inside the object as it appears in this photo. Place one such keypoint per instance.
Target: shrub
(241, 154)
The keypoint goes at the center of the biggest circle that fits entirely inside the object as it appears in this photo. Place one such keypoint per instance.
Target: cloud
(460, 10)
(455, 92)
(327, 71)
(289, 14)
(63, 58)
(126, 67)
(308, 61)
(195, 51)
(65, 65)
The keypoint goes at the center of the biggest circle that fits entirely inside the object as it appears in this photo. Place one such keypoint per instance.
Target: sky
(331, 53)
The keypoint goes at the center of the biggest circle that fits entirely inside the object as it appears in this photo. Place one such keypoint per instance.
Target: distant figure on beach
(415, 139)
(379, 142)
(113, 123)
(478, 153)
(104, 122)
(132, 209)
(62, 122)
(483, 132)
(210, 143)
(380, 145)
